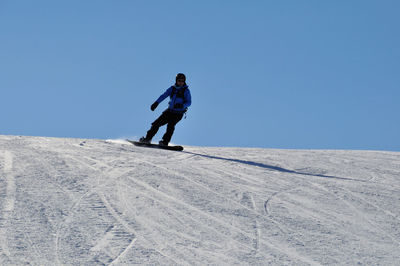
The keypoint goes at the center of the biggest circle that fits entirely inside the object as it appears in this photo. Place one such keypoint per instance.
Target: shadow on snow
(271, 167)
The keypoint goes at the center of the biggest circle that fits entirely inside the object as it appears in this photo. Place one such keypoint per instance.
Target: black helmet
(180, 76)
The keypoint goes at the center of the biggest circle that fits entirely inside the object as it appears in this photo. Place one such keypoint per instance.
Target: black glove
(154, 106)
(178, 106)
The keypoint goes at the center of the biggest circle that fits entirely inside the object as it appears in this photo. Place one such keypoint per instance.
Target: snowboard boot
(162, 143)
(144, 140)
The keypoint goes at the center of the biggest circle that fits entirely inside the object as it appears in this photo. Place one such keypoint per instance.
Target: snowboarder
(180, 100)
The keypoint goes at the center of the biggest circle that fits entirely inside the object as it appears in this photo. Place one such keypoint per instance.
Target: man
(180, 100)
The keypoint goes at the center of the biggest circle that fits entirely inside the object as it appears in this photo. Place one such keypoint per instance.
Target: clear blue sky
(278, 74)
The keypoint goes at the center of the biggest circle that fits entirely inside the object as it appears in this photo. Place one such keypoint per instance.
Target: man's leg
(162, 120)
(174, 119)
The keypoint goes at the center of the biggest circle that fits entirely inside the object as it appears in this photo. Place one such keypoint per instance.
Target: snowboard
(151, 145)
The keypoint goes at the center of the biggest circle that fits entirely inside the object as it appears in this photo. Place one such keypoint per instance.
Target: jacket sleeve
(164, 95)
(188, 99)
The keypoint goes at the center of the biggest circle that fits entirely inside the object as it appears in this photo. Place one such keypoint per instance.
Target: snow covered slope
(95, 202)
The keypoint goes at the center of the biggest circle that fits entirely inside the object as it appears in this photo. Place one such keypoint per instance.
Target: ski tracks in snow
(108, 176)
(9, 177)
(280, 247)
(9, 200)
(116, 204)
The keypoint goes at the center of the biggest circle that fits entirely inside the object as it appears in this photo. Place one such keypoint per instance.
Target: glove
(178, 106)
(154, 106)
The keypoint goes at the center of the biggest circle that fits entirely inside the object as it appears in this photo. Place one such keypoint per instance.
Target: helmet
(180, 76)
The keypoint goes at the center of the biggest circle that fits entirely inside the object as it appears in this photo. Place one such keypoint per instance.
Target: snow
(97, 202)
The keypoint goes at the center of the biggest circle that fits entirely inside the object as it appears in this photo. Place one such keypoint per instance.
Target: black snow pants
(166, 117)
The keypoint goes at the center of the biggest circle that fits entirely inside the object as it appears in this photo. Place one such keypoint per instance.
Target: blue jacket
(177, 104)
